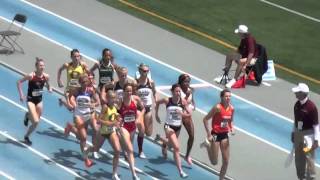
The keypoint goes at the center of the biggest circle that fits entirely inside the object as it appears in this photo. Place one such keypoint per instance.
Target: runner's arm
(160, 101)
(47, 82)
(210, 114)
(94, 67)
(64, 66)
(19, 86)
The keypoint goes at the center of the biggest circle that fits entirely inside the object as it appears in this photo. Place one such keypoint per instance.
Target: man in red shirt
(306, 133)
(246, 54)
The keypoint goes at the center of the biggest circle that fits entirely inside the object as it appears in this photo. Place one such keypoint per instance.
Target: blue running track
(249, 118)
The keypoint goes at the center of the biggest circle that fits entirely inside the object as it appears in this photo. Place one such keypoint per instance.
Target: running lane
(50, 141)
(249, 117)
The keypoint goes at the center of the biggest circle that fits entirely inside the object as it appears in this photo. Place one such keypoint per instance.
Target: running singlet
(35, 86)
(221, 121)
(105, 73)
(83, 109)
(110, 115)
(129, 114)
(173, 117)
(73, 75)
(145, 93)
(118, 90)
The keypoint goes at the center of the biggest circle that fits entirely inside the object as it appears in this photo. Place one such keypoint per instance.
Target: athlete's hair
(38, 60)
(83, 77)
(128, 84)
(182, 78)
(110, 93)
(174, 86)
(223, 92)
(141, 65)
(74, 51)
(104, 51)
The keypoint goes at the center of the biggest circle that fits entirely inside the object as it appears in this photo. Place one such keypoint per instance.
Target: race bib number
(175, 116)
(37, 92)
(129, 118)
(105, 80)
(224, 123)
(74, 83)
(109, 129)
(119, 94)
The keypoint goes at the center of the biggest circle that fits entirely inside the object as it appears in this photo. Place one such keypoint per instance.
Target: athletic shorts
(85, 117)
(106, 131)
(148, 108)
(130, 126)
(218, 137)
(174, 128)
(34, 100)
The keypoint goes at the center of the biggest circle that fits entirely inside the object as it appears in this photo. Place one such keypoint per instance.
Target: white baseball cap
(241, 29)
(302, 87)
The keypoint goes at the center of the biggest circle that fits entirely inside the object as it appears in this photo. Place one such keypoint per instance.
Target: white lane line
(200, 85)
(103, 151)
(156, 60)
(41, 154)
(141, 53)
(138, 52)
(292, 11)
(62, 130)
(6, 175)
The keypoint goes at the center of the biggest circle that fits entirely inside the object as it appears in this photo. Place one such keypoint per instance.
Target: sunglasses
(145, 71)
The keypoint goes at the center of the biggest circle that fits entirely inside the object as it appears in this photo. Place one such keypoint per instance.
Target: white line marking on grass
(6, 175)
(292, 11)
(41, 154)
(62, 130)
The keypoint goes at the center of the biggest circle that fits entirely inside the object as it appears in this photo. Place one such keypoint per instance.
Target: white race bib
(86, 116)
(37, 92)
(224, 123)
(129, 118)
(74, 83)
(105, 80)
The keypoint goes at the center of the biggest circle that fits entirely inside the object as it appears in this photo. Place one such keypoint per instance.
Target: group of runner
(126, 106)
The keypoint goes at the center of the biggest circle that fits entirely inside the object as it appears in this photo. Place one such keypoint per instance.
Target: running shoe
(115, 177)
(217, 79)
(205, 143)
(96, 155)
(136, 177)
(157, 138)
(189, 160)
(26, 119)
(231, 83)
(88, 163)
(27, 141)
(60, 102)
(67, 129)
(183, 175)
(142, 155)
